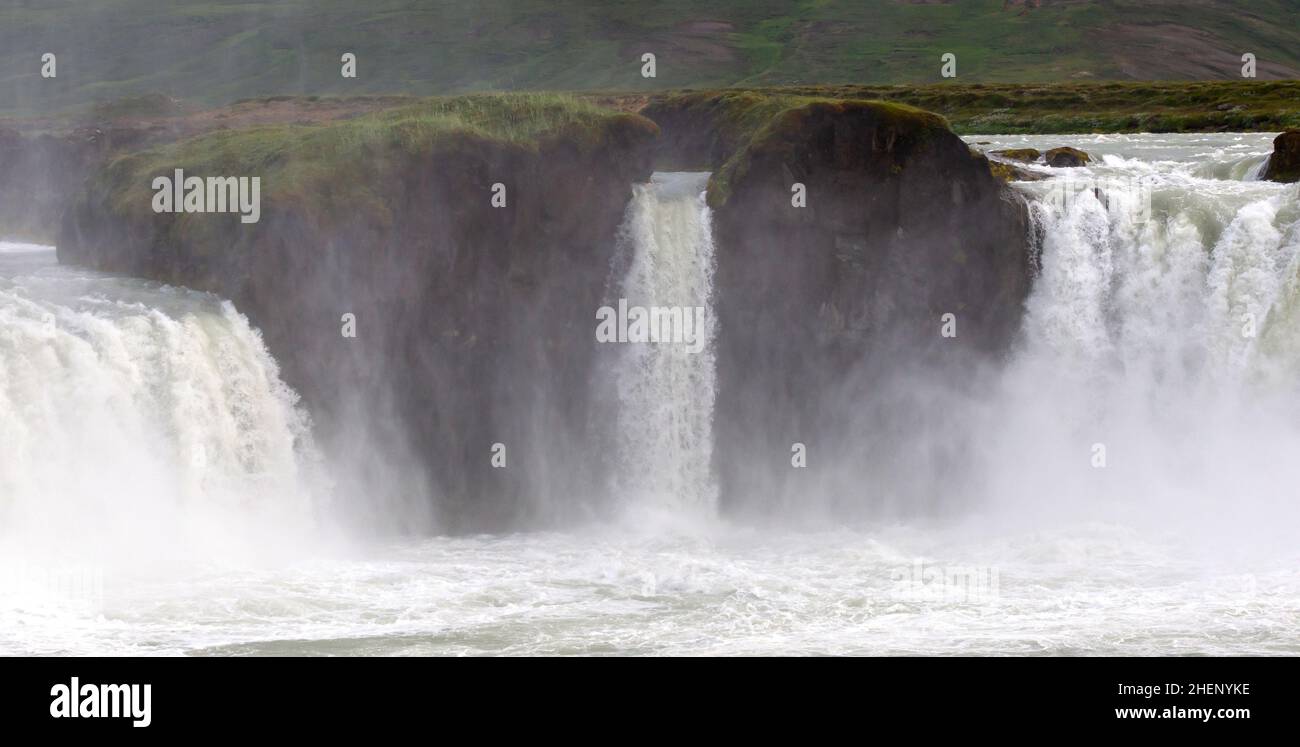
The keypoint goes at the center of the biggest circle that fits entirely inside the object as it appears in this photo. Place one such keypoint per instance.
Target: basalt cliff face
(474, 323)
(831, 315)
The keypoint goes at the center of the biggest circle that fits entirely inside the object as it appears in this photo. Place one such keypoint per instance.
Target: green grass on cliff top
(744, 113)
(340, 158)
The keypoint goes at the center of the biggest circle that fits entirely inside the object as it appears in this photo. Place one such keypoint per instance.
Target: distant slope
(222, 50)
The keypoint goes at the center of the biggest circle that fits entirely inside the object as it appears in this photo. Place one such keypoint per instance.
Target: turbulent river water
(159, 492)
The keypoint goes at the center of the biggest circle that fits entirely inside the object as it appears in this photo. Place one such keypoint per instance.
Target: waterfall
(1163, 278)
(1160, 344)
(666, 390)
(139, 422)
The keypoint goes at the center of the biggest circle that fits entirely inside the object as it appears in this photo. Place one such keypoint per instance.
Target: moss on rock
(724, 131)
(1028, 155)
(1011, 173)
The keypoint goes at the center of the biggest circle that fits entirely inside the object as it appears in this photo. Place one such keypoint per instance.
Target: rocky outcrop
(1284, 163)
(1066, 157)
(832, 316)
(474, 323)
(1003, 163)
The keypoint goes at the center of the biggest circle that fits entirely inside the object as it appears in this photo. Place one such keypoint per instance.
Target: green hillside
(219, 51)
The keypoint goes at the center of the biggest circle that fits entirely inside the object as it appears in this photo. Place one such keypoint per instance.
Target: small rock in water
(1028, 155)
(1011, 173)
(1066, 157)
(1284, 164)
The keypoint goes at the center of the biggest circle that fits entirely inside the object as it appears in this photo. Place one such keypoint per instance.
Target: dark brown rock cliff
(474, 323)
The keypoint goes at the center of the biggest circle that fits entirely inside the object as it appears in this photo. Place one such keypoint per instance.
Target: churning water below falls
(1185, 542)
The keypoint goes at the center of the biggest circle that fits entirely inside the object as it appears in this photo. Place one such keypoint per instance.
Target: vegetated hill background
(218, 51)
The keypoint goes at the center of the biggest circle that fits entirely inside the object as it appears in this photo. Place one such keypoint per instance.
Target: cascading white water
(139, 424)
(1127, 342)
(1162, 339)
(666, 390)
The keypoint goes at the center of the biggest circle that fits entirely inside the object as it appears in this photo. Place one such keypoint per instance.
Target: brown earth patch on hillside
(1172, 51)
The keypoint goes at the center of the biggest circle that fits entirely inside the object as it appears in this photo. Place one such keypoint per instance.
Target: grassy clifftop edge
(326, 154)
(336, 161)
(330, 166)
